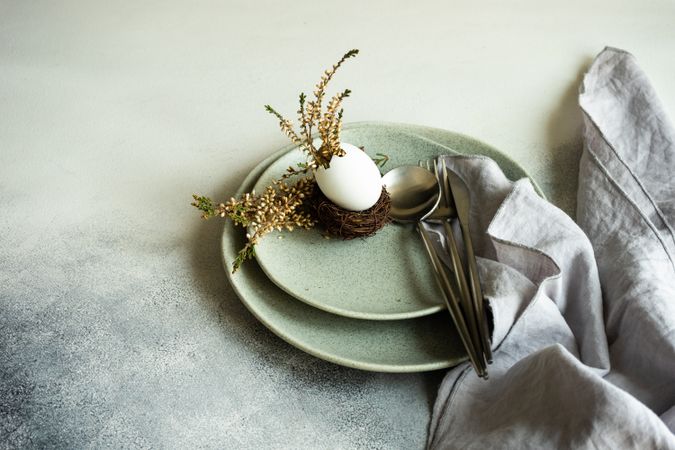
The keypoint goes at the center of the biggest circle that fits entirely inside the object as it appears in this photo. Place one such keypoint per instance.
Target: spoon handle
(465, 293)
(460, 194)
(451, 301)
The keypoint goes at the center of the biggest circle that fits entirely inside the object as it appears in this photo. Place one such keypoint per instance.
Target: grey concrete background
(117, 325)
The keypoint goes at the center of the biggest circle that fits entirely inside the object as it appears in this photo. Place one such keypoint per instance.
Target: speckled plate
(384, 277)
(414, 345)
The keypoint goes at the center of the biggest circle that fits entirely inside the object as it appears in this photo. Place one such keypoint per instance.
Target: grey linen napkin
(584, 315)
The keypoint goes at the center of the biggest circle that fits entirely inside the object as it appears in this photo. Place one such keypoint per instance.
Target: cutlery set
(463, 287)
(431, 194)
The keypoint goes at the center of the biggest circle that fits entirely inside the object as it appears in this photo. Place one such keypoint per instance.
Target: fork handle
(452, 302)
(472, 316)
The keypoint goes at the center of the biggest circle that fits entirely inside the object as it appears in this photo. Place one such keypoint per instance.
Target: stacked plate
(370, 303)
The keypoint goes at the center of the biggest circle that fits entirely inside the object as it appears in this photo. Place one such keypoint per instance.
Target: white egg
(352, 181)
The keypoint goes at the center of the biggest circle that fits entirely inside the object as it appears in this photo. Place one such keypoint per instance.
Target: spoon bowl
(414, 192)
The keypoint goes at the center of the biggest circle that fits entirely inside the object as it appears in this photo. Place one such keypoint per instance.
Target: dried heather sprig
(280, 206)
(311, 115)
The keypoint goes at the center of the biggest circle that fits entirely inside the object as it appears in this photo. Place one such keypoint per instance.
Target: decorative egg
(352, 181)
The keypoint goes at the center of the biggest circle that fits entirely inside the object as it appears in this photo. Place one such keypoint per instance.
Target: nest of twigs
(351, 224)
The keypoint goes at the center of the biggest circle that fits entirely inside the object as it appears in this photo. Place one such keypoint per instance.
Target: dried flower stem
(280, 206)
(310, 115)
(283, 205)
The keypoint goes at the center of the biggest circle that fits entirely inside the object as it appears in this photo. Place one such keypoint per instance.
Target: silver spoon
(415, 193)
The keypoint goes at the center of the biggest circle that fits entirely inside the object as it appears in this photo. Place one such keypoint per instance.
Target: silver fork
(457, 189)
(443, 215)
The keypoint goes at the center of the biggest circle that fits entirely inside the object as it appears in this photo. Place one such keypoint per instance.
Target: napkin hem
(625, 194)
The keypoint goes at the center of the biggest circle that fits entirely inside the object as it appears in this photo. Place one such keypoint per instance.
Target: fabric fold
(626, 190)
(584, 336)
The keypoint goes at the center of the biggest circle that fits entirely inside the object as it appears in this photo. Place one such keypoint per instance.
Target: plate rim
(342, 361)
(432, 309)
(327, 356)
(351, 313)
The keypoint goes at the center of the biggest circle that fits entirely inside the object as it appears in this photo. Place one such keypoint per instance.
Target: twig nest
(347, 224)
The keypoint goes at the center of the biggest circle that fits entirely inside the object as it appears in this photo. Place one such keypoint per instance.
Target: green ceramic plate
(414, 345)
(384, 277)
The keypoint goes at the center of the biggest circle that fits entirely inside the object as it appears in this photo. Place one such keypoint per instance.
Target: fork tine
(425, 164)
(445, 185)
(443, 179)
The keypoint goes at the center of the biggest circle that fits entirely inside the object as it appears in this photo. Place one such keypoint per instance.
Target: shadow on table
(564, 145)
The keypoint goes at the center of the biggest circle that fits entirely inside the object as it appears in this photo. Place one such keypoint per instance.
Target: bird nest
(351, 224)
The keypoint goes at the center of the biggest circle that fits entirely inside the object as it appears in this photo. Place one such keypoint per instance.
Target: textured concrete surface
(117, 327)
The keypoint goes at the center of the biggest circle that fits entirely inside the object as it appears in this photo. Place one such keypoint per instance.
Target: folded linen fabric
(584, 315)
